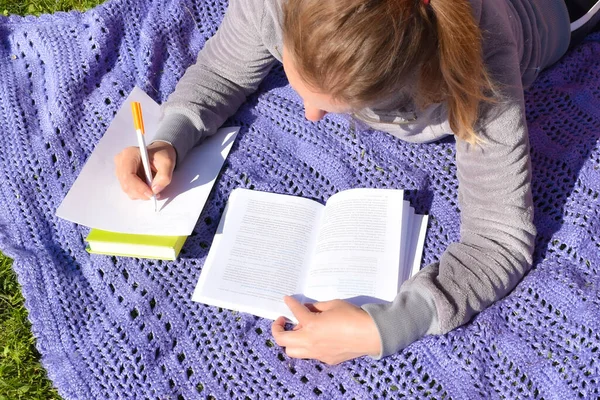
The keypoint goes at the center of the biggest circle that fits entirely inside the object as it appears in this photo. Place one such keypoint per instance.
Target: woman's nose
(313, 113)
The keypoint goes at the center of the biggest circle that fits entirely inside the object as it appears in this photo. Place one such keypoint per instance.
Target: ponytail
(461, 65)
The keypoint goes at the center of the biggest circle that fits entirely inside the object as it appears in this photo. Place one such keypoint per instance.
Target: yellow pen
(138, 123)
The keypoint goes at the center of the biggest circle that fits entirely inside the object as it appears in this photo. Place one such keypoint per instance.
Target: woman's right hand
(130, 171)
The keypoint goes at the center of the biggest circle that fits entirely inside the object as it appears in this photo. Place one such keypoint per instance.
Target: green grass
(21, 374)
(36, 7)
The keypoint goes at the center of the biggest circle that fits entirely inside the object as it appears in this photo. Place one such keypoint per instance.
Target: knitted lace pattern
(113, 327)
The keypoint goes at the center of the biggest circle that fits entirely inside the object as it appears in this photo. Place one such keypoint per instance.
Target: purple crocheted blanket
(110, 327)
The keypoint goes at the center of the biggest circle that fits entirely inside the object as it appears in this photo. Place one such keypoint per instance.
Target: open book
(121, 226)
(360, 246)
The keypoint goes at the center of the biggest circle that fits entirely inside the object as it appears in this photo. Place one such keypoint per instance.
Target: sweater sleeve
(496, 234)
(229, 68)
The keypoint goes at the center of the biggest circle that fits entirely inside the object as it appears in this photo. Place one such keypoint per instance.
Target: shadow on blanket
(110, 327)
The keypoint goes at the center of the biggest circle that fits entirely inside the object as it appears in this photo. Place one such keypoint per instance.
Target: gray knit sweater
(521, 37)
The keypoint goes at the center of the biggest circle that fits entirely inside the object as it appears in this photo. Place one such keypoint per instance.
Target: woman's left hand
(330, 331)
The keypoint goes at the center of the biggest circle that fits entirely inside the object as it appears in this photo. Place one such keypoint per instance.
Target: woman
(420, 70)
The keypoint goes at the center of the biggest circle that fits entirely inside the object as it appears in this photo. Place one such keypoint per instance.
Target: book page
(408, 214)
(260, 254)
(358, 246)
(417, 242)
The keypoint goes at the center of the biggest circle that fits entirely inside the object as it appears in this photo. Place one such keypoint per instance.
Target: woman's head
(358, 53)
(317, 102)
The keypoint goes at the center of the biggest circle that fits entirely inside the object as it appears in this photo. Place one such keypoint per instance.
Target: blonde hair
(361, 52)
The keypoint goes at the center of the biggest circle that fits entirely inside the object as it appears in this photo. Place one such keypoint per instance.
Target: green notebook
(129, 245)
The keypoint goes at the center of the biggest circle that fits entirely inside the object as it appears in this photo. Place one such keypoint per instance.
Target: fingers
(296, 342)
(162, 157)
(289, 339)
(336, 331)
(164, 174)
(278, 329)
(129, 171)
(297, 352)
(321, 306)
(278, 326)
(127, 164)
(296, 337)
(300, 311)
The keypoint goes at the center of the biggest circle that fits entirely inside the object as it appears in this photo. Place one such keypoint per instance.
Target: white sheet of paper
(96, 199)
